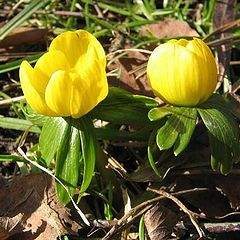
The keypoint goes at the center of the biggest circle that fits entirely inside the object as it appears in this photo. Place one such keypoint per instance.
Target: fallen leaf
(224, 12)
(24, 35)
(32, 208)
(168, 28)
(131, 70)
(159, 222)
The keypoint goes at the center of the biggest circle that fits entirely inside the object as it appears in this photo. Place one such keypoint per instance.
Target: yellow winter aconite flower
(68, 80)
(182, 72)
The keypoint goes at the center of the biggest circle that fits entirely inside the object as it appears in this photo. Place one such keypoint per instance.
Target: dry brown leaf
(132, 69)
(212, 203)
(230, 187)
(168, 28)
(32, 208)
(159, 222)
(224, 12)
(24, 35)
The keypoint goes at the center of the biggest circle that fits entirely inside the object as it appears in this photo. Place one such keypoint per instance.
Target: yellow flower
(68, 80)
(182, 73)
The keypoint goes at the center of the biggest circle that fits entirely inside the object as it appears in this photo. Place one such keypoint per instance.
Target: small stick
(9, 101)
(143, 206)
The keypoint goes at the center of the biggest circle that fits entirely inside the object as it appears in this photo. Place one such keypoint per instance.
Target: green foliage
(21, 17)
(67, 161)
(141, 230)
(122, 107)
(71, 141)
(18, 124)
(51, 137)
(223, 132)
(177, 130)
(219, 118)
(88, 145)
(7, 67)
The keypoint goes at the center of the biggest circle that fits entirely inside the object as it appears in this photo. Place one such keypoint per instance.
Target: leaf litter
(32, 211)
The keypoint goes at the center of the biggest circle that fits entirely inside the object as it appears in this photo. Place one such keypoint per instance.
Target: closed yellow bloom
(182, 72)
(68, 80)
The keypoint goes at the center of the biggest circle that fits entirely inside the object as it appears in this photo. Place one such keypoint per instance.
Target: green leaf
(151, 150)
(110, 133)
(177, 130)
(88, 146)
(51, 137)
(223, 136)
(67, 161)
(18, 124)
(184, 137)
(160, 112)
(34, 117)
(10, 158)
(141, 230)
(122, 107)
(21, 17)
(167, 135)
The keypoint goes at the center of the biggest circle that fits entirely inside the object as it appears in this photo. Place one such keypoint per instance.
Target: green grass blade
(15, 64)
(18, 124)
(10, 158)
(21, 17)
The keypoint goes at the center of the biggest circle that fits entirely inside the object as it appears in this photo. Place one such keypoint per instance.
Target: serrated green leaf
(18, 124)
(184, 137)
(224, 138)
(51, 137)
(68, 161)
(88, 146)
(122, 107)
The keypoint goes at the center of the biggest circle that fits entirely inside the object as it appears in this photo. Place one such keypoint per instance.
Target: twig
(183, 207)
(222, 227)
(129, 50)
(9, 101)
(225, 40)
(116, 228)
(223, 28)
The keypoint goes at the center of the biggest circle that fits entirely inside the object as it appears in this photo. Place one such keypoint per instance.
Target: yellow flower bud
(182, 72)
(70, 79)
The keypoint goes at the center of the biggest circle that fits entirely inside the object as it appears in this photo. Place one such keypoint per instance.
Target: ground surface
(193, 199)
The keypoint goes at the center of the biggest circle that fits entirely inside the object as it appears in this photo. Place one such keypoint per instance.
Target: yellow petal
(70, 95)
(58, 93)
(173, 72)
(93, 43)
(207, 65)
(48, 64)
(34, 99)
(91, 87)
(183, 42)
(75, 46)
